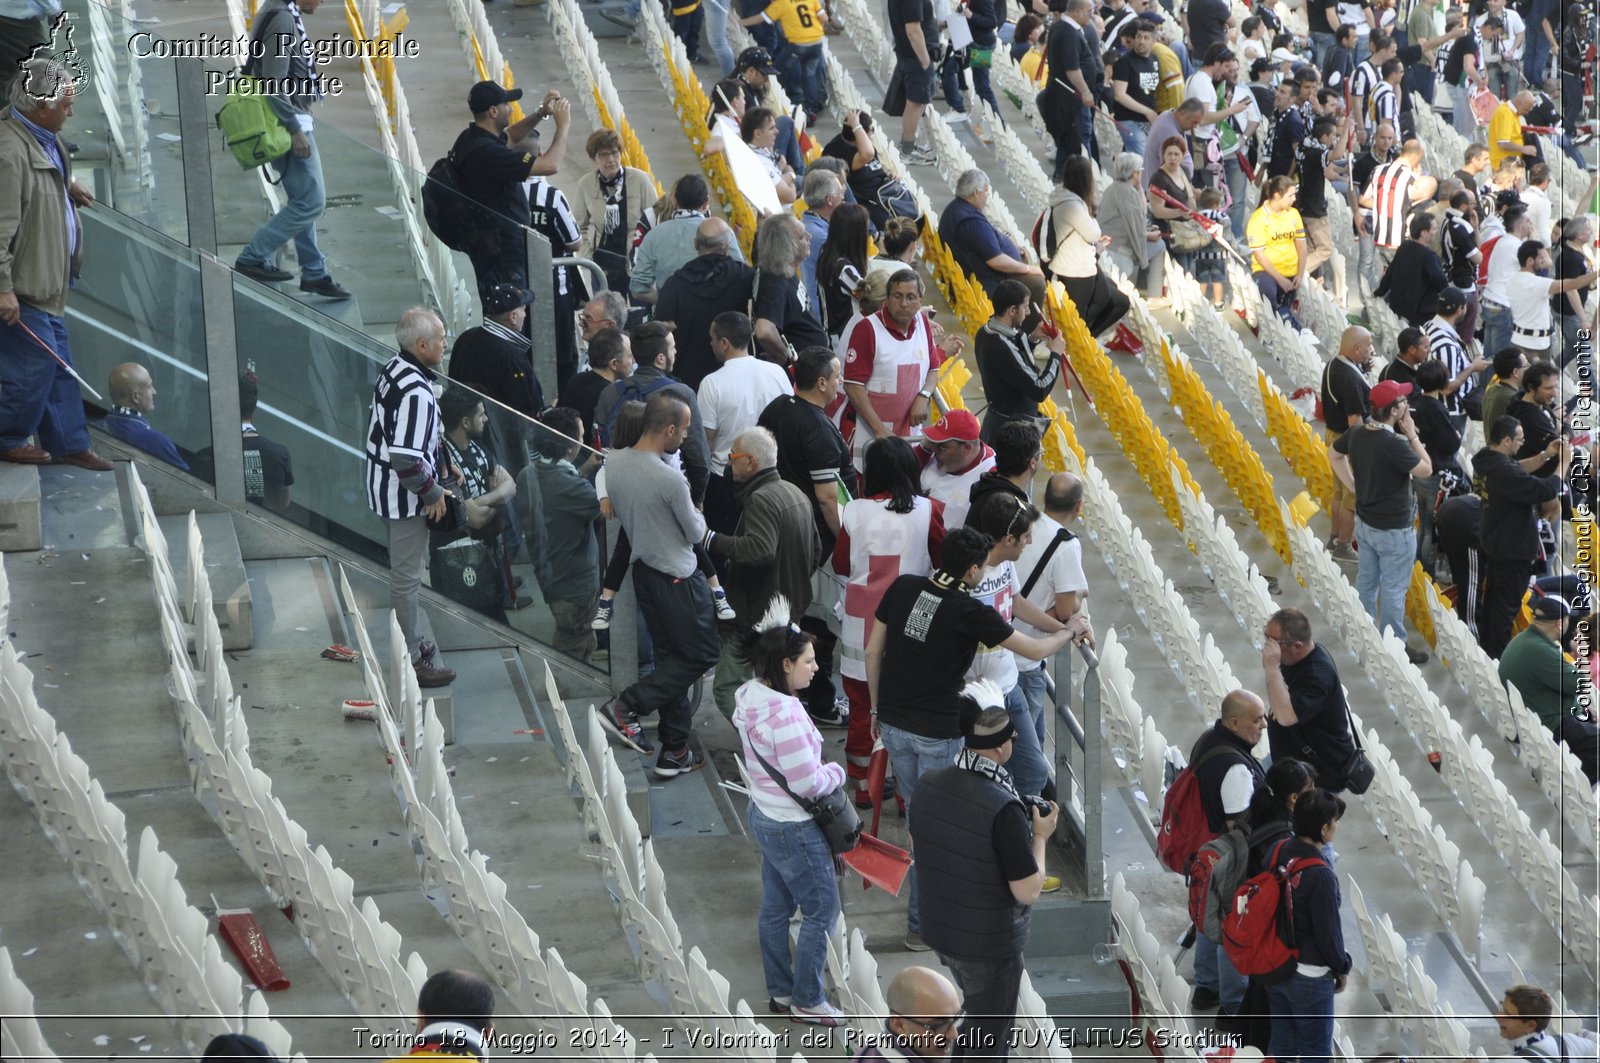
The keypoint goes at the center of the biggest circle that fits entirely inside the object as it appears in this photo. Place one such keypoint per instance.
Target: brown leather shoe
(86, 459)
(27, 454)
(431, 675)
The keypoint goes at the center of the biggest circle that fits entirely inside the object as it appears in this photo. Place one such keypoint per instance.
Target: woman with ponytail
(797, 865)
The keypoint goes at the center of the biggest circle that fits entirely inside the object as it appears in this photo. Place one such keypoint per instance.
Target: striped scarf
(974, 761)
(317, 90)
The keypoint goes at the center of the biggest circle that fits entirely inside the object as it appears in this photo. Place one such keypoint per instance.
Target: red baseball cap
(955, 425)
(1389, 392)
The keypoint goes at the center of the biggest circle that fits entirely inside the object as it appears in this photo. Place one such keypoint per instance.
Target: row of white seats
(698, 996)
(356, 947)
(1466, 766)
(20, 1035)
(1412, 996)
(1558, 772)
(472, 898)
(118, 80)
(149, 915)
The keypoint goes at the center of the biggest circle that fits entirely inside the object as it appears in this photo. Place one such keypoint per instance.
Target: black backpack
(451, 215)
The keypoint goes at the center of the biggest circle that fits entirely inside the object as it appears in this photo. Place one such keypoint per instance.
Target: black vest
(1210, 774)
(963, 899)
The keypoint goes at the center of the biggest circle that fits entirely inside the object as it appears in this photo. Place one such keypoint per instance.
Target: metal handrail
(1086, 735)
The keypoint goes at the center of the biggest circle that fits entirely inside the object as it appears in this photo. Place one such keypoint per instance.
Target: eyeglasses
(735, 455)
(934, 1025)
(1019, 516)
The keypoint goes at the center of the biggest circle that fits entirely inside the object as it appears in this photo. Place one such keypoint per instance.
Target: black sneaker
(1204, 999)
(265, 274)
(833, 717)
(616, 717)
(326, 287)
(677, 762)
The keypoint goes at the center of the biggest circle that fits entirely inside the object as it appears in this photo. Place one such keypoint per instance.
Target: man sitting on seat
(1549, 683)
(133, 396)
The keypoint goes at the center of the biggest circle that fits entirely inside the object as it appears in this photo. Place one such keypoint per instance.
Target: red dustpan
(879, 864)
(877, 773)
(249, 942)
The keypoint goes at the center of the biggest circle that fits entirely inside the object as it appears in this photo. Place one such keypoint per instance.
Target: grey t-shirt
(651, 498)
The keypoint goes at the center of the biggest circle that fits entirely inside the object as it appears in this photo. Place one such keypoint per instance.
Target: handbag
(454, 521)
(1187, 235)
(834, 812)
(979, 57)
(1358, 771)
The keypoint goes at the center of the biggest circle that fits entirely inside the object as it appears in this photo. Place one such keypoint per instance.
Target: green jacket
(1547, 681)
(774, 550)
(35, 248)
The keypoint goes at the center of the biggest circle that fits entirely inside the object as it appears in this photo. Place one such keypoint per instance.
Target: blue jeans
(1536, 55)
(1496, 328)
(1028, 768)
(1384, 573)
(1421, 78)
(717, 34)
(1282, 301)
(1214, 971)
(1302, 1019)
(950, 79)
(36, 394)
(1035, 686)
(805, 77)
(1320, 44)
(1571, 102)
(297, 219)
(913, 756)
(788, 144)
(1239, 212)
(1135, 135)
(796, 872)
(1461, 117)
(989, 990)
(985, 91)
(1427, 493)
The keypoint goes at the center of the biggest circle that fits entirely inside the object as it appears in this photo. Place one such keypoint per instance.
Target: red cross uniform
(892, 366)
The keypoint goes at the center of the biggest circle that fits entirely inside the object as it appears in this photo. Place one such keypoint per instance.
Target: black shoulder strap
(258, 33)
(1062, 536)
(778, 778)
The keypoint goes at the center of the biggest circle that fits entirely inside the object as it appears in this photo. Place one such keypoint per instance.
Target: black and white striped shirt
(1444, 344)
(404, 432)
(1391, 202)
(1364, 81)
(551, 216)
(1383, 106)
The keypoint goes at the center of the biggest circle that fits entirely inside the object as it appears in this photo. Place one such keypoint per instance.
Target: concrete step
(20, 524)
(230, 588)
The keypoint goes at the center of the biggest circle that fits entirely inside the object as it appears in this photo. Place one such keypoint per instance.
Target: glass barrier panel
(138, 301)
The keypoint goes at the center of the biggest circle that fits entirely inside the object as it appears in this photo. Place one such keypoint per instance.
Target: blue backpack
(631, 390)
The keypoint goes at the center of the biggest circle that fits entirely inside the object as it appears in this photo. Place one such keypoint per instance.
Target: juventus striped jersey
(1445, 345)
(403, 437)
(1391, 202)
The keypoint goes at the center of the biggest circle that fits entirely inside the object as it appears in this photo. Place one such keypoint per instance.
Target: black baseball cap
(1549, 607)
(756, 58)
(503, 298)
(1451, 300)
(487, 94)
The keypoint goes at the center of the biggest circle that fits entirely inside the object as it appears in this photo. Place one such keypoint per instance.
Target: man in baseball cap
(492, 158)
(496, 357)
(959, 459)
(1377, 461)
(1533, 663)
(755, 58)
(752, 68)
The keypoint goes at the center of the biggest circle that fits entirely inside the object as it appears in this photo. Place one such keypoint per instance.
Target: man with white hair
(823, 192)
(405, 467)
(987, 255)
(41, 247)
(773, 551)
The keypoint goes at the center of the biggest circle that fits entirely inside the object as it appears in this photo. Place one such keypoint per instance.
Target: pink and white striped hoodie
(777, 726)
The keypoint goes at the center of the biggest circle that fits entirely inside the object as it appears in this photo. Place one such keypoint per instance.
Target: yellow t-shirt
(1033, 67)
(1274, 234)
(1170, 91)
(799, 20)
(1504, 124)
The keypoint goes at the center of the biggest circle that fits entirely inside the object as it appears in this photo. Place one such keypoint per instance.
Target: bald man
(715, 281)
(1344, 405)
(133, 396)
(924, 1009)
(1051, 571)
(1505, 132)
(1227, 771)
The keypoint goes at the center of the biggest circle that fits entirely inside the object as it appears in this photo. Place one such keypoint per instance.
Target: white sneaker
(957, 117)
(823, 1014)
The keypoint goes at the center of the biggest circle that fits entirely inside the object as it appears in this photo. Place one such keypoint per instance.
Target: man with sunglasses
(956, 459)
(924, 1011)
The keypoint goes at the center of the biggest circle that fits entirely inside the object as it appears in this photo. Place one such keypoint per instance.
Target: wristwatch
(926, 393)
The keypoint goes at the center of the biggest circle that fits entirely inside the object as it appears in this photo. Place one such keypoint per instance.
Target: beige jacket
(641, 195)
(35, 247)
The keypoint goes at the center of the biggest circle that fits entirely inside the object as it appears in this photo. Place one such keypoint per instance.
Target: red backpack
(1258, 928)
(1184, 828)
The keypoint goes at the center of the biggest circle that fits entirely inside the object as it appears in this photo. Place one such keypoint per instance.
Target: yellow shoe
(1051, 884)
